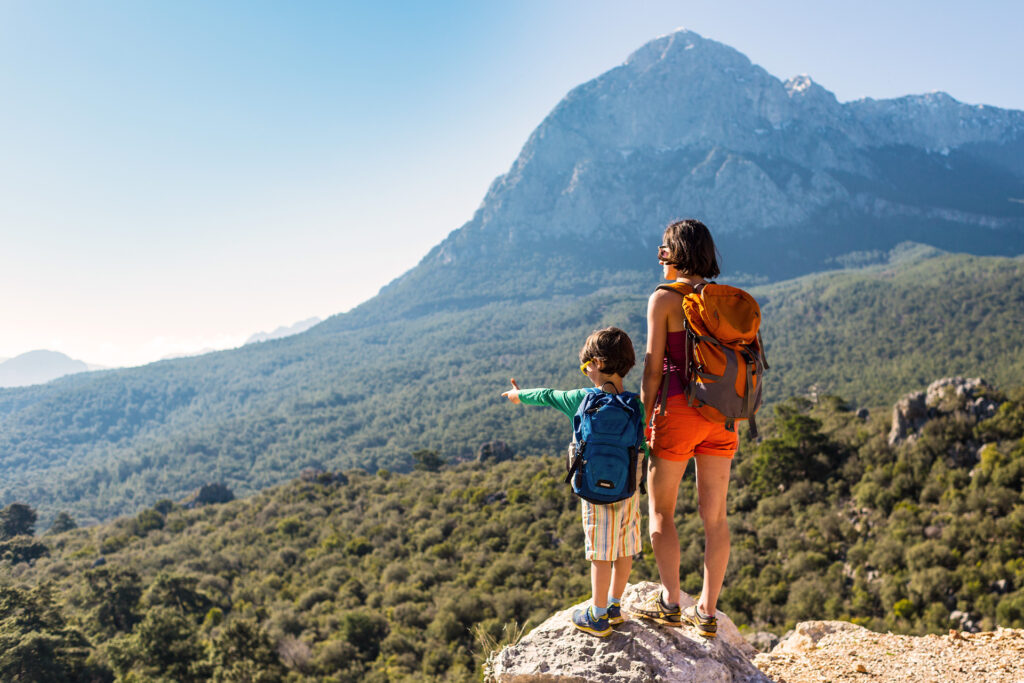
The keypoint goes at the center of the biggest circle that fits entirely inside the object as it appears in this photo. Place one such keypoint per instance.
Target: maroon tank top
(675, 362)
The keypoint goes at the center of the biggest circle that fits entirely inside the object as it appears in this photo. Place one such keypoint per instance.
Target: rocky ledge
(815, 651)
(638, 651)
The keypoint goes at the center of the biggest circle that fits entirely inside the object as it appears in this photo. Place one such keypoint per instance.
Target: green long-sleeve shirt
(567, 402)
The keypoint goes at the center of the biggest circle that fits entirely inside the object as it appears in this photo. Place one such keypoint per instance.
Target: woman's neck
(689, 279)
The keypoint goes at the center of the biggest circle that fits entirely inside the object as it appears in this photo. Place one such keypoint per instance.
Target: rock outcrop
(970, 397)
(498, 451)
(638, 651)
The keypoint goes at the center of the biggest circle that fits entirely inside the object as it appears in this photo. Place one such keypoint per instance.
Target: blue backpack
(606, 462)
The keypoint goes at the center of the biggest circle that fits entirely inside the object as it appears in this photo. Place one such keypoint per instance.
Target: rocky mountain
(787, 177)
(38, 367)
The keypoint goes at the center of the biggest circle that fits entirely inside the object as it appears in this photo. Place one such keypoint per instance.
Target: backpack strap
(760, 347)
(663, 390)
(575, 462)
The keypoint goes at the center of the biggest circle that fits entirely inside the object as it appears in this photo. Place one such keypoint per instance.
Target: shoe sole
(658, 620)
(617, 621)
(700, 629)
(594, 632)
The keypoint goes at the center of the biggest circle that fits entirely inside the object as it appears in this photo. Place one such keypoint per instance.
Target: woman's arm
(654, 358)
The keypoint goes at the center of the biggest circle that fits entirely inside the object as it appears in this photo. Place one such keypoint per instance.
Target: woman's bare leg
(712, 489)
(663, 479)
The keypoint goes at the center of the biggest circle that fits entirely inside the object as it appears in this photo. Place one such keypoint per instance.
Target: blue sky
(178, 175)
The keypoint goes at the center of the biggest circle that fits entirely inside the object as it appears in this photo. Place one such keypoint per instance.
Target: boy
(612, 531)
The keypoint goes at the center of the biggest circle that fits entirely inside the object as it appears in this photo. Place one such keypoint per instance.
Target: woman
(688, 258)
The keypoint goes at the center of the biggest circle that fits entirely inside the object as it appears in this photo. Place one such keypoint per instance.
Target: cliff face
(786, 175)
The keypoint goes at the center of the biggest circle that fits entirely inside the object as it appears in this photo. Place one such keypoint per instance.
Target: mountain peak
(687, 126)
(38, 367)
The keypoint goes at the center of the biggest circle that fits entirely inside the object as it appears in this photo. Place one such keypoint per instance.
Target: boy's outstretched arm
(565, 401)
(513, 393)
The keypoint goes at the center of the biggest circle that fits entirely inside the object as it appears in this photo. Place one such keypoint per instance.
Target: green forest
(349, 576)
(365, 390)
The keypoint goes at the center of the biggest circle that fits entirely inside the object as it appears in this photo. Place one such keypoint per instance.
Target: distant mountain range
(790, 181)
(283, 331)
(38, 367)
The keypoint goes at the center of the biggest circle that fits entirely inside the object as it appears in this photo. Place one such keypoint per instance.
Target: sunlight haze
(179, 176)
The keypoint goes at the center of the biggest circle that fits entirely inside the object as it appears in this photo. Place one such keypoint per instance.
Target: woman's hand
(513, 393)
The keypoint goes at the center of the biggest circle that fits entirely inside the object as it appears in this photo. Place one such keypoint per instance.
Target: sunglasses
(664, 253)
(584, 366)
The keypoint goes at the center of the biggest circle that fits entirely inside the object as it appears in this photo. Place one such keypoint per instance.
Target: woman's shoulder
(665, 296)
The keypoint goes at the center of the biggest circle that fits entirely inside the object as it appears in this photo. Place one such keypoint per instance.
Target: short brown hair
(613, 348)
(691, 248)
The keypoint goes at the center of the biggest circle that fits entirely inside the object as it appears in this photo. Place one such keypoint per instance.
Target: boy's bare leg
(600, 580)
(620, 574)
(712, 489)
(663, 486)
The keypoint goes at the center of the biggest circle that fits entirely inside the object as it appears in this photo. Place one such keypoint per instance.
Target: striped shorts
(612, 531)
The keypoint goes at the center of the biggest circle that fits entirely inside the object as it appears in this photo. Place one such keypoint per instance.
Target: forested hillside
(367, 397)
(791, 182)
(390, 577)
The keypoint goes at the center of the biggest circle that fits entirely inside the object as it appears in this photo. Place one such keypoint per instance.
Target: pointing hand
(513, 393)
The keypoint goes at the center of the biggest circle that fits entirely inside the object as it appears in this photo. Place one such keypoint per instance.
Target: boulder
(762, 641)
(908, 416)
(639, 650)
(805, 637)
(497, 451)
(972, 397)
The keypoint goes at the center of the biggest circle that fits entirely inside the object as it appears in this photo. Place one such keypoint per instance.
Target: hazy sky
(178, 175)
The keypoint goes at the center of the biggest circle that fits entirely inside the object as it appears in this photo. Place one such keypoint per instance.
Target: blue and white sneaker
(615, 613)
(584, 620)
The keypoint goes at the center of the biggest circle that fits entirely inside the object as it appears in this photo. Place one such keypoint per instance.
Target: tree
(177, 591)
(427, 460)
(242, 652)
(214, 493)
(112, 595)
(61, 523)
(165, 643)
(35, 642)
(17, 519)
(799, 452)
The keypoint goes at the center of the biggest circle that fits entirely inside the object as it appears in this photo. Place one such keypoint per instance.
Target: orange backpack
(725, 359)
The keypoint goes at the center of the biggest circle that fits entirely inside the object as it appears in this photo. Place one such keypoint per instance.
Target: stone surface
(838, 651)
(971, 397)
(494, 451)
(639, 650)
(807, 634)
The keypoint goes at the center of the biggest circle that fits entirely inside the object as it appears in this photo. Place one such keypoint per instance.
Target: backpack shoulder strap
(680, 288)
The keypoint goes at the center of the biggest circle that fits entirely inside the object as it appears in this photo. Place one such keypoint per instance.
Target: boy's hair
(691, 248)
(613, 348)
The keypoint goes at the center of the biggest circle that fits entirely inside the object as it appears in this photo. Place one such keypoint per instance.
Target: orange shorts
(683, 432)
